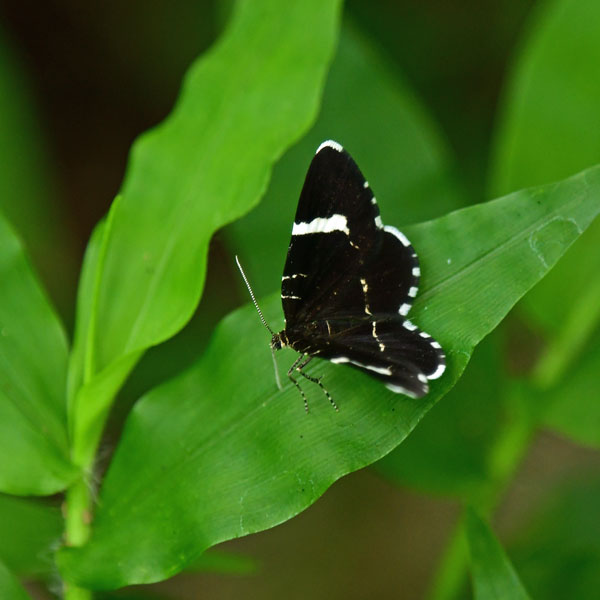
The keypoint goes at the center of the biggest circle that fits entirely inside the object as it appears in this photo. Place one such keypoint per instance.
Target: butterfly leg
(289, 374)
(316, 380)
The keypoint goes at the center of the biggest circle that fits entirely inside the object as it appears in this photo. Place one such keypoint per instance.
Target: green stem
(78, 502)
(77, 528)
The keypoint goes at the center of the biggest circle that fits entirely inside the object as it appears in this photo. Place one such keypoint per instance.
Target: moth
(348, 284)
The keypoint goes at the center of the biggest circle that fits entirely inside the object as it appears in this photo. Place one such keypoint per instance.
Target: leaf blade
(235, 456)
(494, 577)
(34, 452)
(549, 130)
(241, 105)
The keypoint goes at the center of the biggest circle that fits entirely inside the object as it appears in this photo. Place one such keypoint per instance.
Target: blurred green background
(447, 86)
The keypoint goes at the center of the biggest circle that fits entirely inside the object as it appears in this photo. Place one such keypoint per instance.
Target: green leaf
(549, 130)
(242, 104)
(219, 452)
(33, 364)
(10, 587)
(542, 141)
(494, 577)
(394, 142)
(30, 531)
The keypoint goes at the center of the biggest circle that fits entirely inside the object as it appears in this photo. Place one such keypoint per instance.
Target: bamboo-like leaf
(33, 364)
(494, 577)
(549, 130)
(219, 452)
(242, 104)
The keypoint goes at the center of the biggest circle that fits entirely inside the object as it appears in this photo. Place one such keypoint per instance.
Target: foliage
(493, 576)
(217, 452)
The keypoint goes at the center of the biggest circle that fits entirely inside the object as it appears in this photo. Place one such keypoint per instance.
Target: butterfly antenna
(264, 322)
(252, 295)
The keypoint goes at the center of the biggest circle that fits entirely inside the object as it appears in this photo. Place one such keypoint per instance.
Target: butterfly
(348, 284)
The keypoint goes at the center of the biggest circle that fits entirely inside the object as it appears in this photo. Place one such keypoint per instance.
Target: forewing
(393, 350)
(341, 260)
(334, 234)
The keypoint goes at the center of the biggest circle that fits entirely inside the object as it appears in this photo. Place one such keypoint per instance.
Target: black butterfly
(349, 282)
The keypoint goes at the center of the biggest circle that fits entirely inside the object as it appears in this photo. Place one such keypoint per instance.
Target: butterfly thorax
(302, 336)
(298, 339)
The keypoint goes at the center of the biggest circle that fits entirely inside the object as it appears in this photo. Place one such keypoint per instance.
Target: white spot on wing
(365, 288)
(329, 144)
(290, 297)
(366, 184)
(344, 359)
(410, 326)
(381, 344)
(293, 276)
(378, 222)
(416, 271)
(398, 389)
(322, 225)
(403, 239)
(404, 309)
(412, 292)
(438, 372)
(435, 345)
(424, 334)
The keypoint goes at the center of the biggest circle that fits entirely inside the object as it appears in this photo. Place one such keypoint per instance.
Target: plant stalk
(77, 528)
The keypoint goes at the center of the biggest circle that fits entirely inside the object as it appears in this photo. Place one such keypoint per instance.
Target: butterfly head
(279, 340)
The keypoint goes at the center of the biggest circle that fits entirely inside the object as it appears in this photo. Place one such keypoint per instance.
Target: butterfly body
(349, 282)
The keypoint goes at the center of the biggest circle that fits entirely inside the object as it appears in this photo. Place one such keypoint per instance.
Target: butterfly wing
(391, 349)
(341, 260)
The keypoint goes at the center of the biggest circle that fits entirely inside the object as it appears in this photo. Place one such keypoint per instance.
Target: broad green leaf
(219, 452)
(33, 365)
(10, 588)
(549, 130)
(95, 395)
(242, 104)
(394, 141)
(407, 164)
(557, 553)
(494, 577)
(30, 531)
(448, 453)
